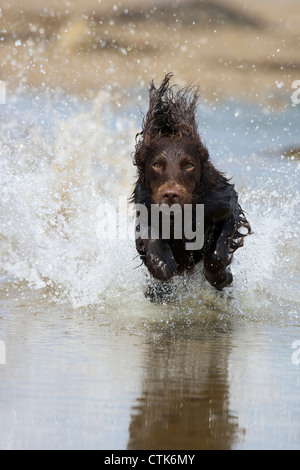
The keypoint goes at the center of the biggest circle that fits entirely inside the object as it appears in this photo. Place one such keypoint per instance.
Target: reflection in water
(184, 402)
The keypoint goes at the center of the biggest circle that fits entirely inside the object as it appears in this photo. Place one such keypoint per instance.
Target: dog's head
(170, 157)
(173, 170)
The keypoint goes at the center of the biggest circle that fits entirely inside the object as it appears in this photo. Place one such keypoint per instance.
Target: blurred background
(244, 48)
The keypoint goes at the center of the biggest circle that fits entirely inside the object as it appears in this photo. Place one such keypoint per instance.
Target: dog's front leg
(216, 261)
(158, 257)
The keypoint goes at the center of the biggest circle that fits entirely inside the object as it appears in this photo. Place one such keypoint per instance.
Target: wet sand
(247, 49)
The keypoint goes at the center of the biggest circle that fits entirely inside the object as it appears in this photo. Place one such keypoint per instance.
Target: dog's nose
(170, 196)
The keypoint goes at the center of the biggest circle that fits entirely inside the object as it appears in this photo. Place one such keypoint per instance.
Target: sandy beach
(247, 49)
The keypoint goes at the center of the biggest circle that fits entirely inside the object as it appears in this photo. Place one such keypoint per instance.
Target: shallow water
(89, 361)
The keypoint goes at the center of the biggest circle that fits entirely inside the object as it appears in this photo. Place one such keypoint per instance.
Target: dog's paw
(216, 272)
(223, 279)
(161, 263)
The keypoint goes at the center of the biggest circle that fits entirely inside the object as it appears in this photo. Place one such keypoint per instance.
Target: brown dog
(174, 168)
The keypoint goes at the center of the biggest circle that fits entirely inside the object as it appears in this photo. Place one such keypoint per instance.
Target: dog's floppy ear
(219, 203)
(141, 194)
(216, 193)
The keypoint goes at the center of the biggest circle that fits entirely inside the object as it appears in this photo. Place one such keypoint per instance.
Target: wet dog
(174, 168)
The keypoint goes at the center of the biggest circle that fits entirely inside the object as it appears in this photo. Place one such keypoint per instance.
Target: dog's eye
(189, 166)
(156, 166)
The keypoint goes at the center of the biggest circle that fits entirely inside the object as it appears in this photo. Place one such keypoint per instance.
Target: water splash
(56, 171)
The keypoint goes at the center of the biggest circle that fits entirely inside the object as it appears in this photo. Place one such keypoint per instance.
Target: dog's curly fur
(170, 126)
